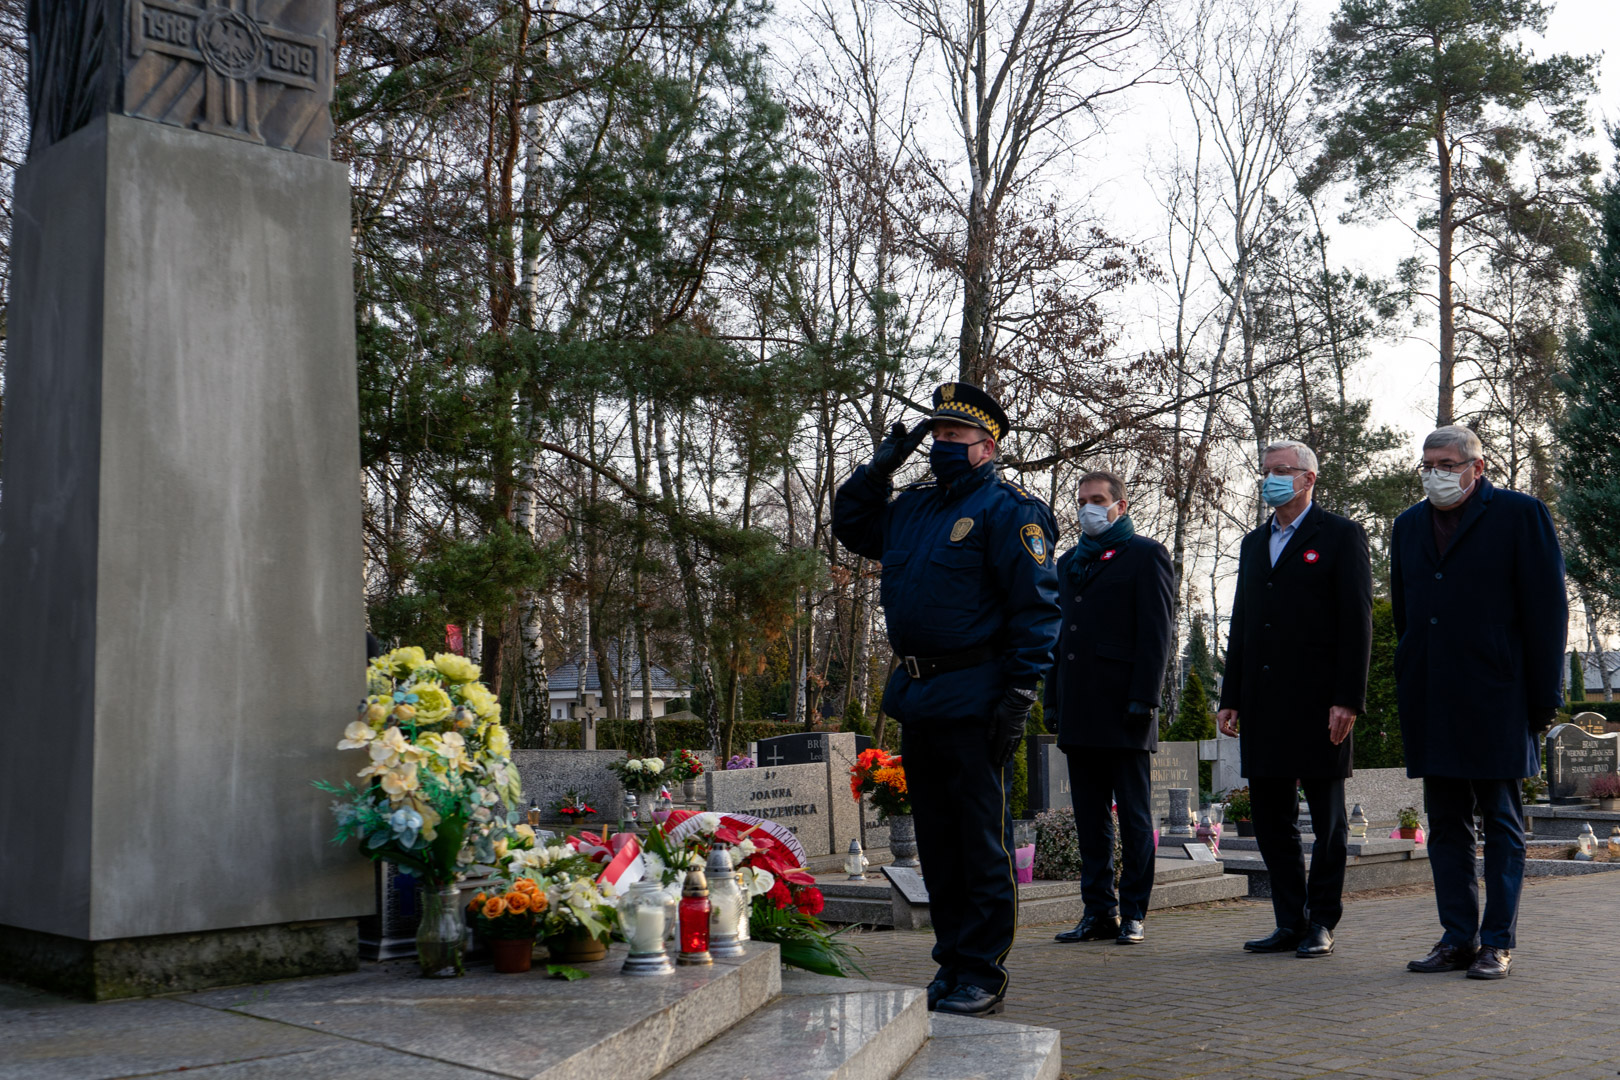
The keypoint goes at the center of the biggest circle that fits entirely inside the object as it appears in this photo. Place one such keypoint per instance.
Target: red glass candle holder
(694, 919)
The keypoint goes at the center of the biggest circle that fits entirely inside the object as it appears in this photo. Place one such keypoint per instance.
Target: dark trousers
(1299, 903)
(964, 839)
(1100, 777)
(1451, 858)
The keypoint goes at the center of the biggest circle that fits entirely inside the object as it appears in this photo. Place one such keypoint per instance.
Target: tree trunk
(1444, 411)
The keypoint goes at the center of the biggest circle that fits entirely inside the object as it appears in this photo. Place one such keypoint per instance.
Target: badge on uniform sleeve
(1034, 542)
(1311, 556)
(962, 527)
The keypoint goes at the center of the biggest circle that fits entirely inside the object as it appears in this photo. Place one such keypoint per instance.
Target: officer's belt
(925, 667)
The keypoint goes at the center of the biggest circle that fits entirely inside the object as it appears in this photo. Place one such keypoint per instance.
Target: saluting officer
(970, 593)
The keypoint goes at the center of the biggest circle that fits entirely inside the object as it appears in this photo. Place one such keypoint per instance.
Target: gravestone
(795, 796)
(1575, 758)
(548, 775)
(835, 751)
(180, 535)
(1175, 765)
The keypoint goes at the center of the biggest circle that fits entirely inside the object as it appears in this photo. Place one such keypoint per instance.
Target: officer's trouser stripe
(1012, 875)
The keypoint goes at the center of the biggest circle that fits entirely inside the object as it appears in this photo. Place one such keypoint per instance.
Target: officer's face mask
(1096, 517)
(949, 460)
(1277, 490)
(1446, 489)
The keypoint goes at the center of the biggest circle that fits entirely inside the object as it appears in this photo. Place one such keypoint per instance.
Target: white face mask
(1094, 518)
(1445, 489)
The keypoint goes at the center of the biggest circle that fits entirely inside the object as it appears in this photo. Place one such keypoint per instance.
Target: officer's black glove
(1007, 723)
(1542, 719)
(1138, 708)
(896, 446)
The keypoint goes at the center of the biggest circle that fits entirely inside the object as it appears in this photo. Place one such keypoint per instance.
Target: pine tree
(1577, 677)
(1590, 469)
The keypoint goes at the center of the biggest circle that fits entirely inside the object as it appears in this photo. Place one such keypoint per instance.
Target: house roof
(1594, 679)
(564, 679)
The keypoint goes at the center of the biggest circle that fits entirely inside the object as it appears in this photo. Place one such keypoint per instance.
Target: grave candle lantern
(694, 920)
(1585, 843)
(534, 814)
(1358, 823)
(646, 913)
(664, 807)
(725, 903)
(856, 863)
(627, 813)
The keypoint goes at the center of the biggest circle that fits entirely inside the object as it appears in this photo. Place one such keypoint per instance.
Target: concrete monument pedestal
(180, 534)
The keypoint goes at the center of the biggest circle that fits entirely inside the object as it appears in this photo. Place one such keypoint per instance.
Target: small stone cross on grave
(776, 756)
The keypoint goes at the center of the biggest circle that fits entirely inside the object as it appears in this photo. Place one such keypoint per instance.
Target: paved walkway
(1190, 1003)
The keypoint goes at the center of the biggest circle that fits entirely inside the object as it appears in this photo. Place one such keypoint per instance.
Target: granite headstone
(550, 774)
(1575, 758)
(794, 796)
(1175, 765)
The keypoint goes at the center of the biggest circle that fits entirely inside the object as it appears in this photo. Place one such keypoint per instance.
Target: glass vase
(441, 936)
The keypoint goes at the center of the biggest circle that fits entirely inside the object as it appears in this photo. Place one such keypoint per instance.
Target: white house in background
(566, 689)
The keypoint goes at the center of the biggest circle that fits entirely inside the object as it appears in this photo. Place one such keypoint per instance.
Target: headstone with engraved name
(1575, 758)
(1174, 764)
(180, 511)
(795, 796)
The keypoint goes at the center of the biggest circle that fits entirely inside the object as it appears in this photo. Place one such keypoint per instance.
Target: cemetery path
(1189, 1003)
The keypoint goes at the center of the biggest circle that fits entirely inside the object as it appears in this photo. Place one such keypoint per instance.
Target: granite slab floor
(1189, 1003)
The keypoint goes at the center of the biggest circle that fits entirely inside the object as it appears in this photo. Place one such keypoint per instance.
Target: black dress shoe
(1318, 941)
(1092, 928)
(1491, 963)
(1443, 957)
(937, 990)
(1281, 939)
(1130, 933)
(970, 1000)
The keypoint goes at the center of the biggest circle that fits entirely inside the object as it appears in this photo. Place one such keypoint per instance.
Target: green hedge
(684, 734)
(1609, 709)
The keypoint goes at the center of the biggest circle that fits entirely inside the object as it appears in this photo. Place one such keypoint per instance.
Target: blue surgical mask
(949, 460)
(1276, 490)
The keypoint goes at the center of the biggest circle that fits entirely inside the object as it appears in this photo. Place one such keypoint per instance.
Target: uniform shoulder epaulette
(1022, 492)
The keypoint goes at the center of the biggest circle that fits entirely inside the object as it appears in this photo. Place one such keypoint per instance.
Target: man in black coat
(1114, 645)
(1296, 679)
(1477, 582)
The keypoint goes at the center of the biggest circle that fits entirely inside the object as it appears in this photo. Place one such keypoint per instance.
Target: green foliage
(855, 718)
(1378, 730)
(1239, 804)
(1194, 720)
(805, 941)
(1057, 847)
(1018, 798)
(1589, 467)
(1201, 662)
(1609, 710)
(1577, 677)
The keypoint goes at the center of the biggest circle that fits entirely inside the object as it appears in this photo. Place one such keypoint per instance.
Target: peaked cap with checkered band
(964, 403)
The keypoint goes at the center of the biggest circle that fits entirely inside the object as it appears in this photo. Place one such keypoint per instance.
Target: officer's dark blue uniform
(970, 594)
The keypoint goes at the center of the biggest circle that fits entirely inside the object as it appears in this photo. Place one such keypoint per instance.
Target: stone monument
(1575, 758)
(180, 534)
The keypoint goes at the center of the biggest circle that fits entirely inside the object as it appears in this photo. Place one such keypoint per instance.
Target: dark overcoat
(1481, 634)
(1301, 642)
(1113, 647)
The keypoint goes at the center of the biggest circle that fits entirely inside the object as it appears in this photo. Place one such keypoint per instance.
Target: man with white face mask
(1477, 582)
(1114, 645)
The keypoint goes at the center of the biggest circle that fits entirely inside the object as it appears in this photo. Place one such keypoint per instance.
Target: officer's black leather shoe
(1281, 939)
(1092, 928)
(937, 990)
(1491, 963)
(970, 1000)
(1318, 941)
(1443, 957)
(1130, 933)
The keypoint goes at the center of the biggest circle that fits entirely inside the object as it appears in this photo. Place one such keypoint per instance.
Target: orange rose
(539, 903)
(477, 902)
(516, 902)
(494, 907)
(527, 885)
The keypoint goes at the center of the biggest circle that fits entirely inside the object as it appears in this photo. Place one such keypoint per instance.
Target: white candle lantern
(726, 903)
(647, 914)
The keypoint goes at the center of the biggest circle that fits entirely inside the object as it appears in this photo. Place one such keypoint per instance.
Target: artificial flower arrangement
(686, 766)
(881, 775)
(783, 898)
(740, 761)
(641, 775)
(439, 763)
(577, 904)
(515, 915)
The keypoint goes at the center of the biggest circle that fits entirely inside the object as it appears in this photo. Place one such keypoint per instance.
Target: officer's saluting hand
(969, 591)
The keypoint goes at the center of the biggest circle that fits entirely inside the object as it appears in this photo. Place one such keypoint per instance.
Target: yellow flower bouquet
(437, 764)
